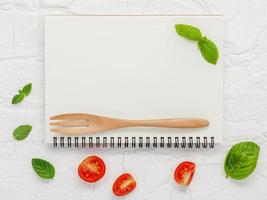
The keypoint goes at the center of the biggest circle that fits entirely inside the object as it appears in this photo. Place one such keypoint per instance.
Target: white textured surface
(245, 107)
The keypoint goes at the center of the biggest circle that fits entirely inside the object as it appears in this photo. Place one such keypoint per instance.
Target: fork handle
(170, 123)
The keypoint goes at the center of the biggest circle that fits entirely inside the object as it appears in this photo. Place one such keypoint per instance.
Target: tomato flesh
(91, 169)
(184, 173)
(124, 184)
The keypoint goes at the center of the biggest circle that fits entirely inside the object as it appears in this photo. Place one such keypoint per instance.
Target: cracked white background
(245, 107)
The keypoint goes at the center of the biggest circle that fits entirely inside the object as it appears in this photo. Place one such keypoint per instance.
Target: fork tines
(74, 123)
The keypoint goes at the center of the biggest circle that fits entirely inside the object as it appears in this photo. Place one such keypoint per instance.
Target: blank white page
(133, 67)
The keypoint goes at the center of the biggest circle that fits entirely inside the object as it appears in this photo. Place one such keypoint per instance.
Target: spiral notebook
(133, 67)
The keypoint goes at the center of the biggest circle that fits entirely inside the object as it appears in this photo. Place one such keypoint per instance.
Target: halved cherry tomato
(124, 184)
(184, 173)
(91, 169)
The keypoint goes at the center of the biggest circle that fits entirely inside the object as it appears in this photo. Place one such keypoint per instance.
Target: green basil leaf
(43, 168)
(22, 93)
(241, 160)
(17, 98)
(208, 50)
(21, 132)
(189, 32)
(27, 89)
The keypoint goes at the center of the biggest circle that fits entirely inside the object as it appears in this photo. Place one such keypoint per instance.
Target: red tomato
(124, 184)
(184, 173)
(91, 169)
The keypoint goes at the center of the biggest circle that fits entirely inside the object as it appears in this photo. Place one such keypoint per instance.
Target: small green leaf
(22, 93)
(43, 168)
(27, 89)
(241, 160)
(189, 32)
(21, 132)
(208, 50)
(17, 98)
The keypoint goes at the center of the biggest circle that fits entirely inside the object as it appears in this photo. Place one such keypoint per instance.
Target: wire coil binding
(133, 142)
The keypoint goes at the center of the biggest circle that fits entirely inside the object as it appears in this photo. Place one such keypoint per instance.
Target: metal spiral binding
(133, 142)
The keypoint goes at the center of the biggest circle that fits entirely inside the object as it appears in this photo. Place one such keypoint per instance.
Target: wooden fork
(81, 123)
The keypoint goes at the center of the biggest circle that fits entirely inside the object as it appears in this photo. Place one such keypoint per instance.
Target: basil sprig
(43, 168)
(207, 48)
(22, 132)
(241, 160)
(25, 91)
